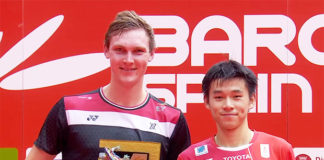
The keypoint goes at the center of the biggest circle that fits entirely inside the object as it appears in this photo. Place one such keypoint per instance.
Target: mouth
(228, 114)
(127, 69)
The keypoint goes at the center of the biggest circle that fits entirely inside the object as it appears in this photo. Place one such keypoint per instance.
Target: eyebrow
(117, 46)
(142, 48)
(219, 91)
(122, 46)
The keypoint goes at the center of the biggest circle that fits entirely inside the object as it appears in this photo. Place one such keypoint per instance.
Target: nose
(228, 105)
(129, 58)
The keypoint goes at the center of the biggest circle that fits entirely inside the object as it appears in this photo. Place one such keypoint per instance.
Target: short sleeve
(180, 138)
(287, 152)
(51, 137)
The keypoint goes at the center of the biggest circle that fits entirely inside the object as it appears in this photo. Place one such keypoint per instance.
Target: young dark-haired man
(229, 94)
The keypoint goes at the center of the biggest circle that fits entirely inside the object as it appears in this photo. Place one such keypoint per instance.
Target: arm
(38, 154)
(180, 139)
(187, 154)
(290, 153)
(285, 150)
(179, 158)
(51, 136)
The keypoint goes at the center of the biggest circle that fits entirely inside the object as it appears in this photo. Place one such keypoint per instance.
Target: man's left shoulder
(272, 139)
(161, 105)
(271, 144)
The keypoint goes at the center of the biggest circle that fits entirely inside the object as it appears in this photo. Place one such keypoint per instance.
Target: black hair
(227, 70)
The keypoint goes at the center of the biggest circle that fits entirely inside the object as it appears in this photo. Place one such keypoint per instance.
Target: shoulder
(271, 138)
(83, 95)
(77, 100)
(165, 112)
(69, 102)
(277, 143)
(164, 109)
(159, 102)
(278, 146)
(197, 148)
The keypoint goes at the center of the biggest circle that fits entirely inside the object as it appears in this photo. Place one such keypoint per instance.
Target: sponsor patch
(303, 157)
(201, 150)
(265, 150)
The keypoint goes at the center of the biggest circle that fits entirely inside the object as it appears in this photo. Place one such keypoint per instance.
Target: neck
(233, 138)
(125, 96)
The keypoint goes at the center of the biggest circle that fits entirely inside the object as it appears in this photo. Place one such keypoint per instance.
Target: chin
(228, 126)
(129, 81)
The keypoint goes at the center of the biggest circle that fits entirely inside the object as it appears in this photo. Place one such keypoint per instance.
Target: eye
(237, 96)
(218, 97)
(139, 51)
(118, 49)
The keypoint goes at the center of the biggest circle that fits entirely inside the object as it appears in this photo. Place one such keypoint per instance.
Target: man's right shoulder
(197, 149)
(97, 91)
(82, 99)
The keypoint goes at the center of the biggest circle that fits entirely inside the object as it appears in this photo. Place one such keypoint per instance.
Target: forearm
(38, 154)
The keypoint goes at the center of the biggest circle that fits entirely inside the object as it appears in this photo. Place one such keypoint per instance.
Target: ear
(206, 102)
(252, 101)
(106, 52)
(151, 55)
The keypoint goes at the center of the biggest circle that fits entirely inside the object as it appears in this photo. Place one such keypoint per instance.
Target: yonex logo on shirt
(92, 117)
(152, 125)
(160, 108)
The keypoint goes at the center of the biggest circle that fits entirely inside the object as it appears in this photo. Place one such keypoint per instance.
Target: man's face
(129, 55)
(229, 103)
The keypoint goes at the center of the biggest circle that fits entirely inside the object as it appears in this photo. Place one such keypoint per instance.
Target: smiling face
(229, 103)
(129, 55)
